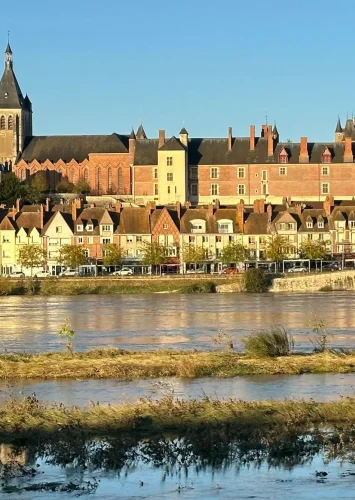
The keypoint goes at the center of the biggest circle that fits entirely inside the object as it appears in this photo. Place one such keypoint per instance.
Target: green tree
(233, 253)
(72, 256)
(31, 256)
(68, 333)
(154, 254)
(313, 249)
(37, 187)
(113, 255)
(82, 187)
(255, 281)
(278, 248)
(193, 254)
(64, 186)
(11, 189)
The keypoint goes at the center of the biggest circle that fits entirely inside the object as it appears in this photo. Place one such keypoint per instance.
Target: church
(184, 169)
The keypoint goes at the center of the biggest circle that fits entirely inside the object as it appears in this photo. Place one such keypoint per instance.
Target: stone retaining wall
(342, 280)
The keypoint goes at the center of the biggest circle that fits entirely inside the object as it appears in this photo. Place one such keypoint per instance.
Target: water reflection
(182, 321)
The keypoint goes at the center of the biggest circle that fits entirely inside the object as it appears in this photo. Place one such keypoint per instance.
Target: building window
(241, 189)
(106, 227)
(73, 177)
(193, 173)
(23, 175)
(99, 180)
(169, 177)
(109, 179)
(241, 172)
(155, 173)
(165, 226)
(79, 227)
(58, 229)
(283, 158)
(325, 188)
(326, 158)
(106, 241)
(168, 189)
(264, 175)
(139, 239)
(80, 240)
(191, 239)
(120, 181)
(204, 239)
(325, 170)
(10, 123)
(156, 189)
(90, 240)
(352, 224)
(2, 123)
(214, 173)
(264, 189)
(89, 227)
(282, 171)
(130, 239)
(86, 175)
(214, 189)
(320, 225)
(194, 190)
(251, 240)
(169, 161)
(321, 237)
(309, 225)
(256, 191)
(290, 226)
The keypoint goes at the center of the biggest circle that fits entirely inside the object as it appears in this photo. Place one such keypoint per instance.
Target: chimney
(92, 205)
(252, 137)
(13, 212)
(48, 200)
(161, 138)
(151, 205)
(304, 157)
(269, 213)
(348, 151)
(74, 210)
(298, 209)
(259, 206)
(270, 143)
(210, 210)
(187, 204)
(326, 207)
(118, 207)
(229, 138)
(256, 206)
(178, 209)
(41, 215)
(184, 137)
(216, 204)
(18, 205)
(132, 144)
(264, 130)
(240, 214)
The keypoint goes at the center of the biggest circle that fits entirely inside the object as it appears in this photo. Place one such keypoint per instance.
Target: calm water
(174, 321)
(320, 387)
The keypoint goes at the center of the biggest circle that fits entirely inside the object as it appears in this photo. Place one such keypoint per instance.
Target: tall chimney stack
(161, 138)
(252, 137)
(270, 143)
(348, 151)
(304, 157)
(229, 138)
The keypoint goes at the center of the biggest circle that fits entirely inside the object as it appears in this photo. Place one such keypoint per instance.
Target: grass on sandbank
(32, 418)
(126, 365)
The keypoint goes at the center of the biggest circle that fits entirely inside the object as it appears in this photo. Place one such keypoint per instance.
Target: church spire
(8, 53)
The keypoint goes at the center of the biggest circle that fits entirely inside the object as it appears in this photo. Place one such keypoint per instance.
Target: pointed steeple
(132, 134)
(141, 133)
(275, 132)
(339, 128)
(10, 93)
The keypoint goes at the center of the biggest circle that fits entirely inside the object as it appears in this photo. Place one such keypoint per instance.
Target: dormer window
(89, 227)
(309, 225)
(225, 226)
(79, 227)
(326, 156)
(283, 156)
(320, 225)
(198, 226)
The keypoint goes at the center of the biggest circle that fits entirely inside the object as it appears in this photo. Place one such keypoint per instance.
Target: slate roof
(257, 223)
(10, 93)
(172, 144)
(141, 133)
(146, 152)
(69, 147)
(314, 216)
(29, 220)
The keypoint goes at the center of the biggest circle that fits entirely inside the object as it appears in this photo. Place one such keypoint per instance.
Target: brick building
(177, 169)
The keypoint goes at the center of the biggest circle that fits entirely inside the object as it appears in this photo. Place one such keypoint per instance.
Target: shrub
(255, 281)
(269, 343)
(206, 287)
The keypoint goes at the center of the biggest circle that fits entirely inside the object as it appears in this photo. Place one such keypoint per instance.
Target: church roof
(338, 127)
(141, 133)
(69, 147)
(10, 93)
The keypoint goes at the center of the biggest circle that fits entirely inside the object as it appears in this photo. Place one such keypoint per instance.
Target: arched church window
(109, 179)
(120, 180)
(23, 175)
(2, 122)
(10, 123)
(86, 175)
(73, 177)
(99, 180)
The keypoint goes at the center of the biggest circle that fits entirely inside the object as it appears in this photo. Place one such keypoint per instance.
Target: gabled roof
(257, 223)
(172, 144)
(7, 224)
(134, 220)
(67, 218)
(29, 220)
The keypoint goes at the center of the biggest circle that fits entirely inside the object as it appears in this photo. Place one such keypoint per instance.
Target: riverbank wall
(342, 280)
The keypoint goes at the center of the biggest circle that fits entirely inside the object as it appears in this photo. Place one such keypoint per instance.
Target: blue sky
(94, 67)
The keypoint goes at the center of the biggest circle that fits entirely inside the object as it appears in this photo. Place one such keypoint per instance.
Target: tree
(72, 256)
(193, 254)
(37, 187)
(233, 253)
(31, 256)
(64, 186)
(278, 248)
(154, 254)
(10, 189)
(313, 249)
(68, 333)
(82, 187)
(113, 255)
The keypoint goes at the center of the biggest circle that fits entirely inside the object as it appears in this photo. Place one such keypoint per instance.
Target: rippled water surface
(163, 320)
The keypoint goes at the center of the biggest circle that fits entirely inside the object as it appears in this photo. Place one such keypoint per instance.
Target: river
(170, 320)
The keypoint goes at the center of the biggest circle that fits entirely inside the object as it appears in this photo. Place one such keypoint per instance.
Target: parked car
(230, 270)
(69, 272)
(16, 274)
(195, 271)
(298, 269)
(125, 271)
(43, 274)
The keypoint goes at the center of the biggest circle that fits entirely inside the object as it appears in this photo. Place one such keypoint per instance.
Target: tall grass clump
(269, 343)
(255, 281)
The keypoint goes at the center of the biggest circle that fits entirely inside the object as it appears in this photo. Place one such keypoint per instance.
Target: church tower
(15, 114)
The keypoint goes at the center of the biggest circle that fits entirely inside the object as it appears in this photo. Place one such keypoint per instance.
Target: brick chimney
(74, 210)
(216, 204)
(270, 143)
(151, 205)
(161, 141)
(269, 213)
(265, 129)
(240, 214)
(298, 209)
(118, 207)
(259, 206)
(328, 204)
(132, 144)
(41, 215)
(48, 200)
(178, 209)
(229, 138)
(304, 157)
(252, 137)
(18, 205)
(348, 151)
(210, 210)
(187, 204)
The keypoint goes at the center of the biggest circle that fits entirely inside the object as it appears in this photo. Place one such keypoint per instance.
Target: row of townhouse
(211, 227)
